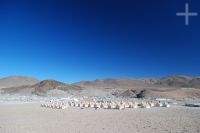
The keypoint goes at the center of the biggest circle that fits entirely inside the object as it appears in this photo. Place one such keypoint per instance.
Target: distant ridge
(13, 81)
(170, 87)
(180, 81)
(120, 82)
(169, 81)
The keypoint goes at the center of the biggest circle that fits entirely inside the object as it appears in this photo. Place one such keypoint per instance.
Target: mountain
(195, 82)
(150, 80)
(171, 87)
(176, 87)
(176, 81)
(114, 83)
(44, 86)
(179, 81)
(41, 88)
(13, 81)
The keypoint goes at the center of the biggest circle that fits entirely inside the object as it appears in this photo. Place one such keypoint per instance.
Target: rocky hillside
(40, 88)
(113, 83)
(44, 86)
(170, 81)
(179, 81)
(170, 87)
(176, 87)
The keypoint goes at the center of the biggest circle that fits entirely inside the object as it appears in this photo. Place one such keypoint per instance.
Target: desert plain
(21, 112)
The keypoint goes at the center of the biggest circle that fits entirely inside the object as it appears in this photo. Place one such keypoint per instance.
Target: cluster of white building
(106, 105)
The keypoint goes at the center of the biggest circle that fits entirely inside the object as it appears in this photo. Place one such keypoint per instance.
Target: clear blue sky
(84, 40)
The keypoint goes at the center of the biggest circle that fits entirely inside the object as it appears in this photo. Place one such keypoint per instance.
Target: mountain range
(171, 87)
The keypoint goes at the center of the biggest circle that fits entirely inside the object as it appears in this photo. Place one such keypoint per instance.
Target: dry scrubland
(31, 118)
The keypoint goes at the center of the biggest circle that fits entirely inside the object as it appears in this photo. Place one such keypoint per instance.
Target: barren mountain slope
(41, 88)
(14, 81)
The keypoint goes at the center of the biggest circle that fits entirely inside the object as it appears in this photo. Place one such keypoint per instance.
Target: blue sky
(84, 40)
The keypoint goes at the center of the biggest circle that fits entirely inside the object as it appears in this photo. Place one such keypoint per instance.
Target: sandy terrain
(31, 118)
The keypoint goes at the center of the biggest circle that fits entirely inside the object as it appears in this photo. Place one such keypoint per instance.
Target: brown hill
(195, 82)
(150, 80)
(170, 81)
(175, 81)
(24, 89)
(44, 86)
(113, 83)
(13, 81)
(170, 87)
(41, 88)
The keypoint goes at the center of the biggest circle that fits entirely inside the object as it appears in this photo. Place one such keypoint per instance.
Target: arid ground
(31, 118)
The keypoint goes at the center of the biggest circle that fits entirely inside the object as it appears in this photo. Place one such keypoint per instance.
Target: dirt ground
(31, 118)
